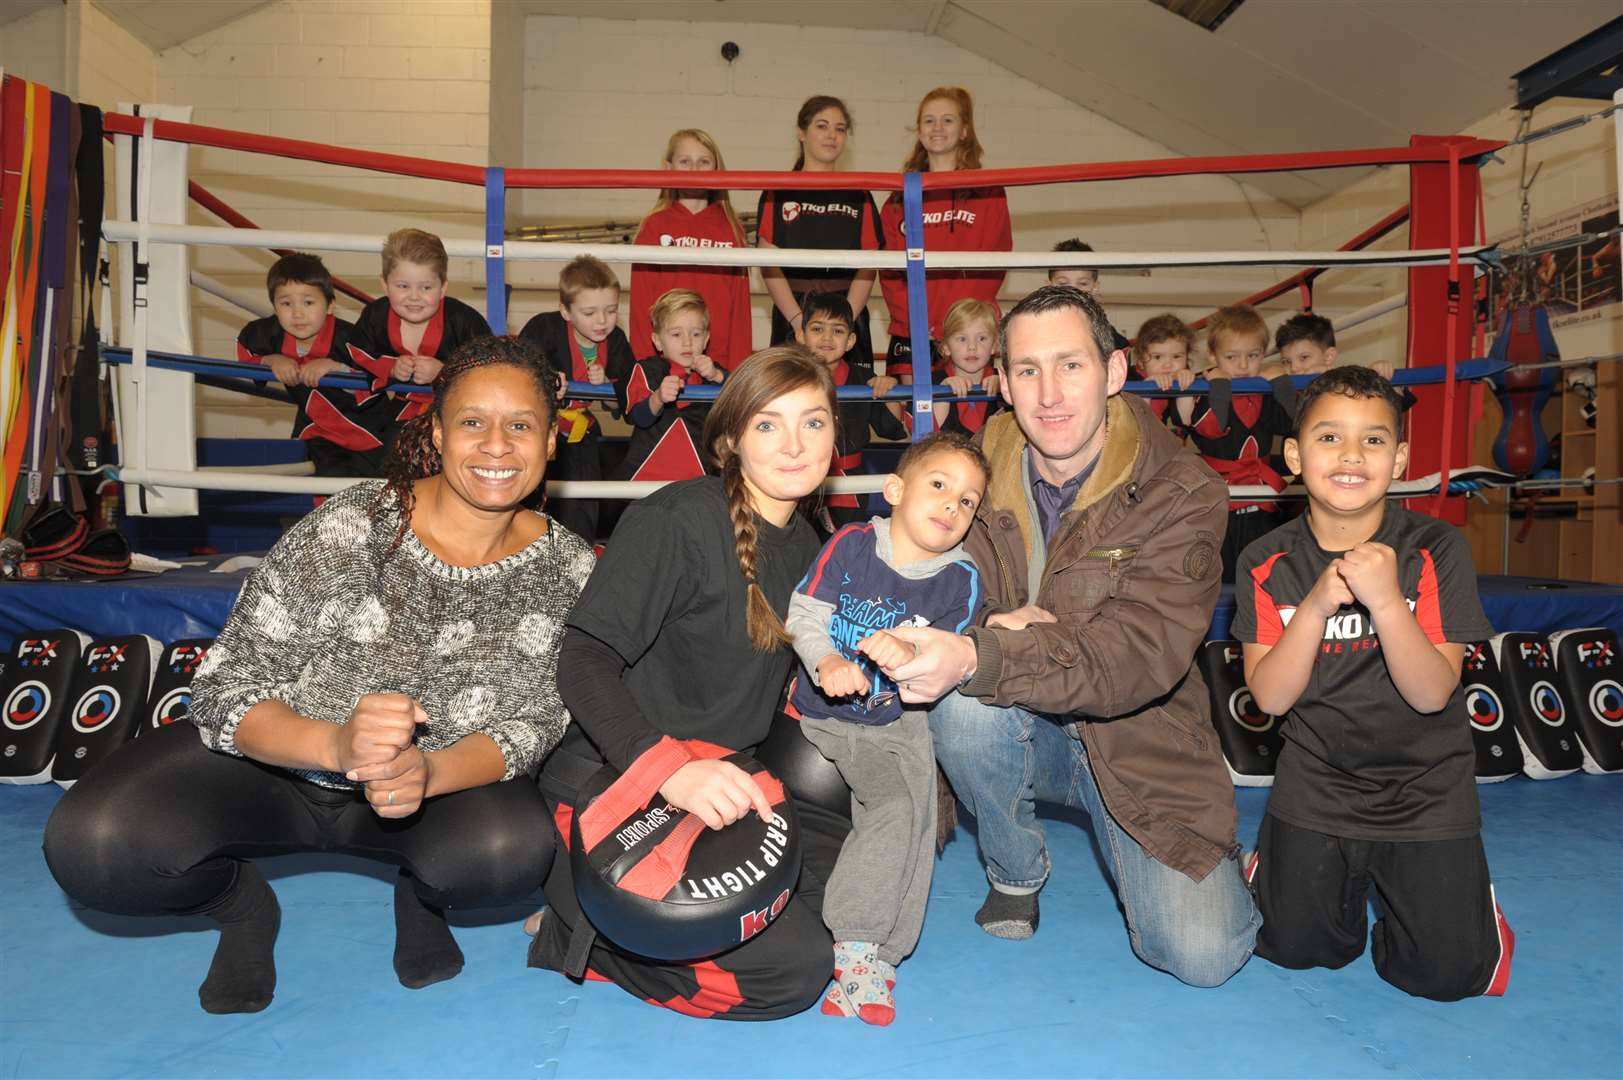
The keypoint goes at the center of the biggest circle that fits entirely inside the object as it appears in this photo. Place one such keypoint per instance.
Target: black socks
(424, 950)
(1008, 915)
(242, 977)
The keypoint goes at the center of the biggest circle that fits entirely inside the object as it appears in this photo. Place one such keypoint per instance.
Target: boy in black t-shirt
(1353, 618)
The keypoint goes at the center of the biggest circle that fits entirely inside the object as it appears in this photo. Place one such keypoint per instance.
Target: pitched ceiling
(1276, 76)
(160, 24)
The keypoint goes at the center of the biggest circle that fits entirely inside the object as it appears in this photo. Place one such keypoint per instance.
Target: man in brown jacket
(1098, 540)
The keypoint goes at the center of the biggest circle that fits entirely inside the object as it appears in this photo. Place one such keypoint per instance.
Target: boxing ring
(156, 371)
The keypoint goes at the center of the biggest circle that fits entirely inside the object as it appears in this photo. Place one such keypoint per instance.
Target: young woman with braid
(679, 635)
(385, 687)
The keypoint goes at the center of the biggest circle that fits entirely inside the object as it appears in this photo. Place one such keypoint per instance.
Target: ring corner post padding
(1550, 748)
(1250, 738)
(657, 882)
(109, 696)
(33, 700)
(170, 425)
(1493, 735)
(1589, 671)
(170, 700)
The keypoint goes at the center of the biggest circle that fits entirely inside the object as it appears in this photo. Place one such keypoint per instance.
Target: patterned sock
(242, 976)
(865, 980)
(424, 950)
(1008, 915)
(834, 1003)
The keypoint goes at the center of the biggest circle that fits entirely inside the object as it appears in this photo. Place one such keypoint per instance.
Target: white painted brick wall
(404, 76)
(582, 110)
(35, 48)
(1578, 167)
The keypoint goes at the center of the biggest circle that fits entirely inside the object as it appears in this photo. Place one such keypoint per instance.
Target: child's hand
(1272, 371)
(425, 369)
(313, 372)
(285, 368)
(1384, 368)
(1371, 573)
(669, 388)
(707, 368)
(959, 384)
(989, 384)
(839, 677)
(401, 372)
(887, 650)
(1020, 618)
(881, 385)
(1215, 373)
(595, 373)
(1330, 593)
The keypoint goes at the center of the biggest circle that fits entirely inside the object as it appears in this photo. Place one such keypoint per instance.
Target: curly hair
(412, 455)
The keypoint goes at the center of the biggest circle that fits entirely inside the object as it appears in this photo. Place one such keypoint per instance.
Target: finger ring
(391, 798)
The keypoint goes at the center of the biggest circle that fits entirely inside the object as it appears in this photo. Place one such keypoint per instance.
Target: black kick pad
(1589, 669)
(1250, 737)
(170, 701)
(1498, 753)
(105, 703)
(1538, 712)
(33, 701)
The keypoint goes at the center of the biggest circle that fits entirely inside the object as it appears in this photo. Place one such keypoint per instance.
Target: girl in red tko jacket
(694, 218)
(971, 219)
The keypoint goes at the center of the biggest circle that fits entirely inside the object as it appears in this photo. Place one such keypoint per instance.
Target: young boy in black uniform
(302, 343)
(1354, 618)
(408, 333)
(668, 430)
(829, 330)
(1235, 433)
(583, 339)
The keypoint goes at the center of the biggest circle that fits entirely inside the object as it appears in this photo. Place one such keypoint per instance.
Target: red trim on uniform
(1251, 867)
(1269, 625)
(381, 368)
(244, 356)
(327, 422)
(718, 993)
(433, 333)
(1500, 980)
(637, 388)
(563, 817)
(674, 457)
(1428, 609)
(320, 345)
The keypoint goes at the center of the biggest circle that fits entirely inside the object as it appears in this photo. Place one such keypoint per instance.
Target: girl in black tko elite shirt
(833, 220)
(679, 635)
(1354, 618)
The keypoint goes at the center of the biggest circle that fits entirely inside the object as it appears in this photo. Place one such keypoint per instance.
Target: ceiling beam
(1576, 70)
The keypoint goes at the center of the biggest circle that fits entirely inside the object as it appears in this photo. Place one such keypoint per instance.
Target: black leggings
(156, 829)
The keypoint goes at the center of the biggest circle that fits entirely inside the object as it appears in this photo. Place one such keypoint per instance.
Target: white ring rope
(535, 251)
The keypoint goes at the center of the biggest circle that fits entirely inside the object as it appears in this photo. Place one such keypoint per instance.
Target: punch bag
(1521, 447)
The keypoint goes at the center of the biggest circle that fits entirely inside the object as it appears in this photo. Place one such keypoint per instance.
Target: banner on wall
(1576, 283)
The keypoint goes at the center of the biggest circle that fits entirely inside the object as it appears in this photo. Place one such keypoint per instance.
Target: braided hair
(766, 375)
(412, 455)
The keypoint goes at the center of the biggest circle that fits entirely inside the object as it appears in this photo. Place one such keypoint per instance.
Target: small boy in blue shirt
(907, 570)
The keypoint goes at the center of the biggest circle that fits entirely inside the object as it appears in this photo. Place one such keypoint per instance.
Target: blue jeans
(1002, 761)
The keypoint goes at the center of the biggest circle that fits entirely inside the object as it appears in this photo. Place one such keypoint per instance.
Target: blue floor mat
(94, 995)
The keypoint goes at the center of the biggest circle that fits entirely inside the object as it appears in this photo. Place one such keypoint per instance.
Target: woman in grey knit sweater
(385, 686)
